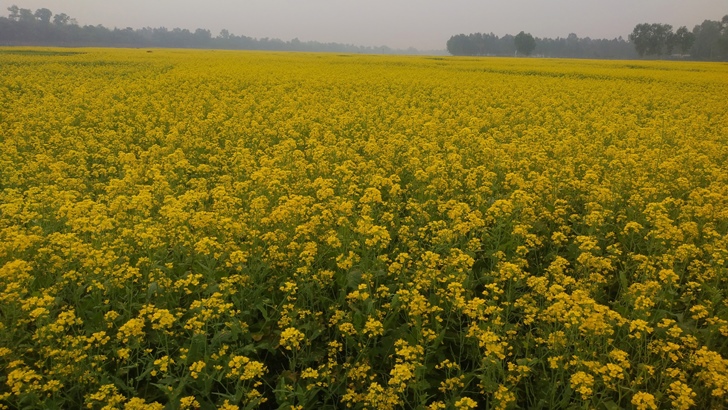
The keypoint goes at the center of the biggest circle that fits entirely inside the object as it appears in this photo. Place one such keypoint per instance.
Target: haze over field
(424, 24)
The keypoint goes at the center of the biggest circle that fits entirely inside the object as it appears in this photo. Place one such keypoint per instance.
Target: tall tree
(724, 37)
(525, 43)
(14, 12)
(707, 41)
(652, 39)
(43, 15)
(61, 19)
(201, 38)
(26, 16)
(640, 38)
(684, 39)
(461, 45)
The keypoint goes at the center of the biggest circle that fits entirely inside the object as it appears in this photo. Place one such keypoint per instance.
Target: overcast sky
(424, 24)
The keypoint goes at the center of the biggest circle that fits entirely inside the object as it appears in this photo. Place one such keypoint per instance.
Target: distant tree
(684, 39)
(43, 15)
(640, 38)
(202, 37)
(570, 47)
(127, 37)
(177, 37)
(662, 40)
(61, 19)
(14, 13)
(525, 43)
(203, 34)
(26, 16)
(295, 44)
(652, 39)
(460, 45)
(724, 36)
(707, 44)
(23, 27)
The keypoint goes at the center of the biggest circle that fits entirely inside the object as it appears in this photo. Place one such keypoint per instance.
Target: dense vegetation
(707, 41)
(479, 44)
(221, 229)
(24, 27)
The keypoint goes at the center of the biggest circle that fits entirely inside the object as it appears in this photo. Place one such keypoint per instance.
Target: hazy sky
(424, 24)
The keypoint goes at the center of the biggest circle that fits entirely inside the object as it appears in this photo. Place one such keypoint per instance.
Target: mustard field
(235, 230)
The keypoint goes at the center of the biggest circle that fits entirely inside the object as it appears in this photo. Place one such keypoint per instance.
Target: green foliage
(652, 39)
(525, 43)
(711, 40)
(707, 41)
(480, 44)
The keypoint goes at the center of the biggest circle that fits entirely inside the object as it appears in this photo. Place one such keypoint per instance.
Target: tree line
(707, 41)
(479, 44)
(41, 27)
